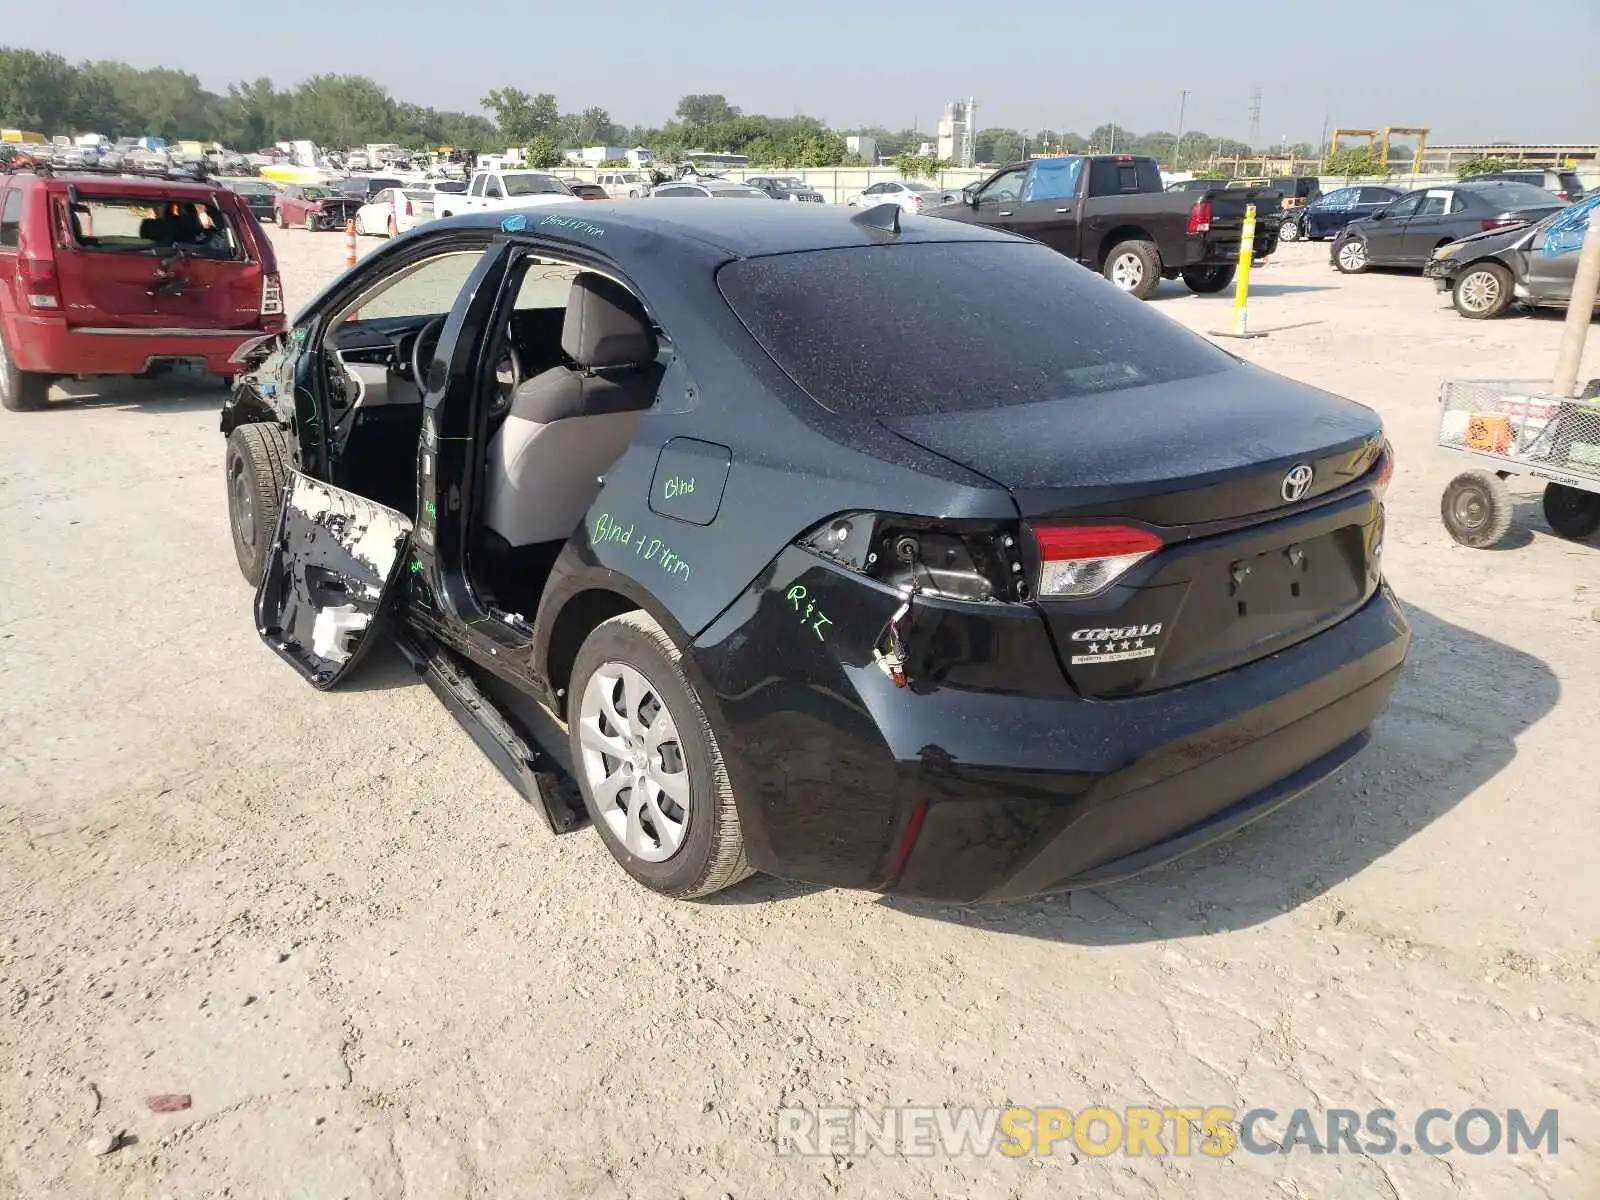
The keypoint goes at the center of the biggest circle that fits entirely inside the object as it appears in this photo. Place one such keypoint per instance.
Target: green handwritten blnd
(428, 510)
(677, 486)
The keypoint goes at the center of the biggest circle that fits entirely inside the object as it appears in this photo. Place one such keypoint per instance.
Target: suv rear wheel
(20, 391)
(257, 468)
(648, 762)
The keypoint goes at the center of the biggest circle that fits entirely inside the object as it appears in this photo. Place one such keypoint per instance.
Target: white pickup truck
(505, 188)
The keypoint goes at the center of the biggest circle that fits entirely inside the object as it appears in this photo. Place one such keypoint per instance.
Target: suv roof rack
(199, 173)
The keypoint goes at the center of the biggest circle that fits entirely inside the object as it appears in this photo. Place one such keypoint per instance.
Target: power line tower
(1255, 118)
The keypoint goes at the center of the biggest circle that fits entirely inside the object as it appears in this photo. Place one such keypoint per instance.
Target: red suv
(106, 274)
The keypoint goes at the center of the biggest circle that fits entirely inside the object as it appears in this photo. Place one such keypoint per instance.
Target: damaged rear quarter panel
(333, 563)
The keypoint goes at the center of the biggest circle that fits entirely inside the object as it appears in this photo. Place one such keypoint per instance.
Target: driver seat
(567, 425)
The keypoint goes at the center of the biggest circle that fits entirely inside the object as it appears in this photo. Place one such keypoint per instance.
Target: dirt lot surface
(329, 922)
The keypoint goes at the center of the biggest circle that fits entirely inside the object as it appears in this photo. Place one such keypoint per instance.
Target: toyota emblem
(1297, 482)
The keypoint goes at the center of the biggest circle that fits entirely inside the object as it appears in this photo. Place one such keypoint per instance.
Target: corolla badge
(1297, 482)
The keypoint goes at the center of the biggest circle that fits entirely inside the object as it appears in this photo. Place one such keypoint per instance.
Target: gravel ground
(328, 921)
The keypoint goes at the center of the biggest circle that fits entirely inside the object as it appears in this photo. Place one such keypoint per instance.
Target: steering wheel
(508, 376)
(422, 351)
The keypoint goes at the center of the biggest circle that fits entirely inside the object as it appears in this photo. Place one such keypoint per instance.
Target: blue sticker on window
(515, 223)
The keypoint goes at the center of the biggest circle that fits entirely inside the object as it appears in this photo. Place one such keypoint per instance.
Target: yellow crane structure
(1379, 140)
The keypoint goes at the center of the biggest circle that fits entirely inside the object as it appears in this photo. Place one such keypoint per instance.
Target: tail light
(1081, 560)
(408, 206)
(1563, 195)
(916, 200)
(39, 283)
(271, 296)
(1384, 469)
(1200, 217)
(1500, 223)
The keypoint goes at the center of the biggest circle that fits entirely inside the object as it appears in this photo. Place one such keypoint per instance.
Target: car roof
(128, 185)
(741, 230)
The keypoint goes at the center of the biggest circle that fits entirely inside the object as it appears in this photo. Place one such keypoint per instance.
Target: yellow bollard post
(1241, 284)
(1241, 287)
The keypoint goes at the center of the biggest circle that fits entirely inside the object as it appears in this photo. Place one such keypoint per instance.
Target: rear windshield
(140, 225)
(1516, 195)
(247, 188)
(532, 185)
(902, 330)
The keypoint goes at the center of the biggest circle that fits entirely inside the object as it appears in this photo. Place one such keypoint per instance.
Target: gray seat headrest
(605, 325)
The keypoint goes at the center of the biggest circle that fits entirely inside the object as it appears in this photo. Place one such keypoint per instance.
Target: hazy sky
(1469, 69)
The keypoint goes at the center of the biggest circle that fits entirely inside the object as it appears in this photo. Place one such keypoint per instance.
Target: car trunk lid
(1249, 488)
(112, 276)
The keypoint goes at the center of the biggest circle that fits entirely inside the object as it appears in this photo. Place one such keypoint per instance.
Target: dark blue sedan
(1328, 214)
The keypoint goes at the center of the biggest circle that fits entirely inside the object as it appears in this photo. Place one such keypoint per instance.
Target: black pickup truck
(1109, 212)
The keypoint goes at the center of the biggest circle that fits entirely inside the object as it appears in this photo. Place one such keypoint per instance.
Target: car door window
(546, 283)
(1371, 195)
(1406, 207)
(1005, 187)
(423, 289)
(11, 219)
(1434, 204)
(477, 185)
(491, 190)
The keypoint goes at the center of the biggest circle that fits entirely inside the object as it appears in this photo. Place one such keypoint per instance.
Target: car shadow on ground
(1169, 291)
(1428, 753)
(178, 392)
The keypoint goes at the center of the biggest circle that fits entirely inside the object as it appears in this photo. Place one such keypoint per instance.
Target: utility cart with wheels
(1504, 428)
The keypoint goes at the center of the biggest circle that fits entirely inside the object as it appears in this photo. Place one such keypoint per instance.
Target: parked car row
(1486, 240)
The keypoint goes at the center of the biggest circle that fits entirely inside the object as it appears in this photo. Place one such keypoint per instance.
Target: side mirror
(970, 195)
(1381, 215)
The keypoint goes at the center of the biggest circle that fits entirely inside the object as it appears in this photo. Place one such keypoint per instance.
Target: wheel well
(578, 618)
(1121, 234)
(1443, 242)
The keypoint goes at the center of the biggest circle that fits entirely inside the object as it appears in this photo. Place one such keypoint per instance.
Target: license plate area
(1304, 577)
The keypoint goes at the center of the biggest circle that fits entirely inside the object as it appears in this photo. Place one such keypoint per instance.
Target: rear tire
(1572, 512)
(20, 391)
(1134, 267)
(1482, 291)
(1476, 509)
(256, 466)
(1289, 231)
(1207, 281)
(704, 852)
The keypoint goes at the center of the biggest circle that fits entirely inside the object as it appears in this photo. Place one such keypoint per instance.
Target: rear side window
(1517, 195)
(1109, 177)
(11, 219)
(901, 330)
(142, 225)
(1571, 184)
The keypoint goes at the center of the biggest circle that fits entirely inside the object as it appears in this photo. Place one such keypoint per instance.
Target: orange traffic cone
(349, 243)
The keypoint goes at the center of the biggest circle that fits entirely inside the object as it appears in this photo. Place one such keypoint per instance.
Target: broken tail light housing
(1200, 217)
(271, 296)
(1082, 560)
(39, 282)
(1500, 223)
(975, 560)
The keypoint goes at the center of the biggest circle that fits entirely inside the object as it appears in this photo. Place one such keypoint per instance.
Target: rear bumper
(966, 795)
(50, 346)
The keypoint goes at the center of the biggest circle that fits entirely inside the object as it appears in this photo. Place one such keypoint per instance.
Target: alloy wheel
(1480, 291)
(633, 762)
(1128, 272)
(1353, 255)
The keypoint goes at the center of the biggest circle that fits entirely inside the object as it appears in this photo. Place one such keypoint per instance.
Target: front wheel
(1134, 267)
(1289, 231)
(648, 762)
(1476, 509)
(20, 391)
(311, 223)
(256, 464)
(1482, 291)
(1351, 257)
(283, 221)
(1572, 512)
(1207, 281)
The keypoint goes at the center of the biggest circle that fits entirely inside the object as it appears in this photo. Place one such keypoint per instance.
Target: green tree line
(45, 92)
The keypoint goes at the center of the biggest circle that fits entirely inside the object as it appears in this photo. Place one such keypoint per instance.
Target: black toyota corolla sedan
(868, 550)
